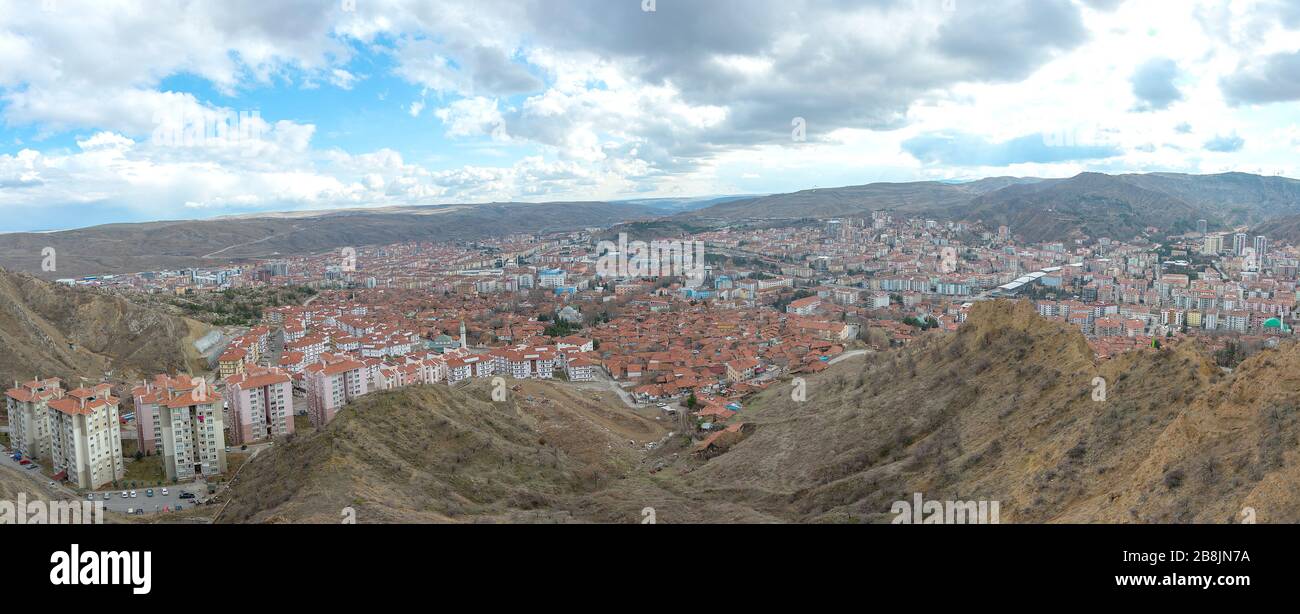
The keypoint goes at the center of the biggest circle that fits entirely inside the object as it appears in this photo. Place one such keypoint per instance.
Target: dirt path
(262, 240)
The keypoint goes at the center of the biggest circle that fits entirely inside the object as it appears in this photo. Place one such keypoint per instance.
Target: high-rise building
(86, 437)
(1239, 242)
(332, 383)
(1202, 226)
(29, 416)
(1261, 247)
(77, 431)
(551, 278)
(182, 418)
(1213, 245)
(260, 404)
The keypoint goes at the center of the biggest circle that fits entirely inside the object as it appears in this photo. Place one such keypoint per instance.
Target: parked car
(187, 495)
(164, 492)
(24, 462)
(133, 494)
(30, 467)
(108, 495)
(90, 497)
(148, 493)
(125, 495)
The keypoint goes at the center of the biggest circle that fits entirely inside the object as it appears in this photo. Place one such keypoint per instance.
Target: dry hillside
(51, 330)
(434, 454)
(1002, 410)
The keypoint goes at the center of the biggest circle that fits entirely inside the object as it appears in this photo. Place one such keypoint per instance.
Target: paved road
(38, 479)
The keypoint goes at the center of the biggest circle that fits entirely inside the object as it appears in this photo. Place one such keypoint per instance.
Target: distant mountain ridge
(1089, 205)
(129, 248)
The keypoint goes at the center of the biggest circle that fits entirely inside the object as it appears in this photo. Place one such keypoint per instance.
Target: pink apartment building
(260, 405)
(181, 418)
(332, 383)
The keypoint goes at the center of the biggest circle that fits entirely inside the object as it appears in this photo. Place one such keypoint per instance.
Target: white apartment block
(463, 367)
(186, 424)
(260, 405)
(524, 363)
(579, 368)
(86, 438)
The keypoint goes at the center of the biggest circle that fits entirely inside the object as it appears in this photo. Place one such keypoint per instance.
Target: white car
(90, 497)
(133, 494)
(125, 495)
(663, 406)
(164, 492)
(108, 495)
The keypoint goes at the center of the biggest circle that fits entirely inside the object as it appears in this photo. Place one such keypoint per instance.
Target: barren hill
(1001, 411)
(130, 248)
(435, 454)
(1088, 205)
(51, 330)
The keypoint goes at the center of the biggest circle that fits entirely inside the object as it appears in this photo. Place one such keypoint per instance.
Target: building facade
(86, 438)
(183, 418)
(260, 405)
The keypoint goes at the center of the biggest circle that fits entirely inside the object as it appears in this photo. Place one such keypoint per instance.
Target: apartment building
(575, 343)
(260, 405)
(331, 383)
(804, 306)
(231, 362)
(86, 437)
(29, 416)
(741, 370)
(463, 366)
(181, 418)
(551, 278)
(580, 368)
(525, 363)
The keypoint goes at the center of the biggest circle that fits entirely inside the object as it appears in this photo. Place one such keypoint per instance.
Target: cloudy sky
(167, 109)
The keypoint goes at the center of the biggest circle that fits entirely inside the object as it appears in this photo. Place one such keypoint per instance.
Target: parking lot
(156, 503)
(115, 502)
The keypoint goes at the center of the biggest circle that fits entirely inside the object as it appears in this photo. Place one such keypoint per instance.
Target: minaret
(462, 335)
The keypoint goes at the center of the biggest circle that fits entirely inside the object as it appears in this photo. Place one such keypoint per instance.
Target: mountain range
(129, 248)
(1085, 207)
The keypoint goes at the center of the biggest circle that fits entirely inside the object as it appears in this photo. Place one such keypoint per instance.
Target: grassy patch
(146, 472)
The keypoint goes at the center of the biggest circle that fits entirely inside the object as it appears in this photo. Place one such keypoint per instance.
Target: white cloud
(604, 103)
